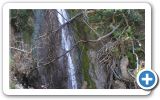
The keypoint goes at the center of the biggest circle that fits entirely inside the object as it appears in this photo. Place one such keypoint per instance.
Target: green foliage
(23, 21)
(72, 12)
(129, 31)
(135, 16)
(102, 21)
(132, 59)
(117, 34)
(82, 32)
(101, 15)
(106, 17)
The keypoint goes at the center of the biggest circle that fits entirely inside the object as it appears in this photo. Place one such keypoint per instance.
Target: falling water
(39, 18)
(66, 45)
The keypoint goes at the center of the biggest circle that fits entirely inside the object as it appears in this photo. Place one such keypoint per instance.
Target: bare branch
(137, 61)
(105, 36)
(82, 41)
(19, 50)
(91, 28)
(65, 52)
(69, 21)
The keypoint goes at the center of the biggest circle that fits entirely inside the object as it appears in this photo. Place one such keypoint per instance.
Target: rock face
(52, 62)
(108, 71)
(101, 65)
(47, 47)
(61, 58)
(97, 72)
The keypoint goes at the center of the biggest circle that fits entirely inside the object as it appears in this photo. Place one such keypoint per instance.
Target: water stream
(66, 45)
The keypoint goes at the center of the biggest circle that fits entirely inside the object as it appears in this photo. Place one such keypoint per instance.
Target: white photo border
(6, 30)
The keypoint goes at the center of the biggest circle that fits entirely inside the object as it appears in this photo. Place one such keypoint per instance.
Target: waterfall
(66, 45)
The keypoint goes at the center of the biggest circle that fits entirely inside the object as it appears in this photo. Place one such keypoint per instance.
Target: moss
(27, 37)
(85, 69)
(132, 60)
(82, 32)
(102, 21)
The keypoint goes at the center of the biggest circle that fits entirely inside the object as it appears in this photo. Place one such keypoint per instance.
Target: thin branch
(69, 21)
(91, 28)
(126, 20)
(82, 41)
(105, 36)
(137, 61)
(19, 50)
(63, 54)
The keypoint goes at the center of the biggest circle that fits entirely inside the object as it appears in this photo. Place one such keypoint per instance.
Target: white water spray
(66, 45)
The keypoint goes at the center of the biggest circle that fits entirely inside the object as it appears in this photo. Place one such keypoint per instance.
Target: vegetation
(112, 35)
(22, 21)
